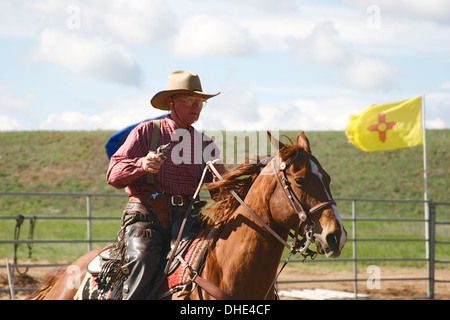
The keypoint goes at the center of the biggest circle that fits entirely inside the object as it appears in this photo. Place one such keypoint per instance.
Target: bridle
(304, 216)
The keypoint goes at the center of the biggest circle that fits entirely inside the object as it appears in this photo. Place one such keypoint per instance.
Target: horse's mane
(240, 179)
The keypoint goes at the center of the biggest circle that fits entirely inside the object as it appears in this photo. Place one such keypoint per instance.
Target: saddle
(192, 250)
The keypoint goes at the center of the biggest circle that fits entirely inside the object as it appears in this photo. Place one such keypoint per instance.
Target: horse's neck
(247, 256)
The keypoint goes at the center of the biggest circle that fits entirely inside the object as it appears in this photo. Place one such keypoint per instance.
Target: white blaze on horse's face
(343, 238)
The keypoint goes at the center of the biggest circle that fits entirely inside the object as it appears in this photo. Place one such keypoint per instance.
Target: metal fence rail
(429, 239)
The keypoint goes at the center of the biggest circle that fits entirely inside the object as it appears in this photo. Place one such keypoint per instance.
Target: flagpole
(425, 184)
(429, 247)
(425, 179)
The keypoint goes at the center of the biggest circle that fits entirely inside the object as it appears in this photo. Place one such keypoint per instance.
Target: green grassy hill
(76, 162)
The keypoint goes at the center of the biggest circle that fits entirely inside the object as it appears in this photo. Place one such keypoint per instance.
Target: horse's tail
(41, 292)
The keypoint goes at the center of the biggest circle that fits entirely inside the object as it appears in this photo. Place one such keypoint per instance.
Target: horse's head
(304, 200)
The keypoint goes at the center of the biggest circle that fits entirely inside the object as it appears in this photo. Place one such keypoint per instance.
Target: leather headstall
(304, 215)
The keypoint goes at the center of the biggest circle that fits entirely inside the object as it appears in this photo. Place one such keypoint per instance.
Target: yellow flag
(387, 126)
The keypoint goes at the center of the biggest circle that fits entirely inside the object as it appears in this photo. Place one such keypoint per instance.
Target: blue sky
(286, 65)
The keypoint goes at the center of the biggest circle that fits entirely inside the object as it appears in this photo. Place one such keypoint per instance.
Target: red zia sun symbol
(382, 126)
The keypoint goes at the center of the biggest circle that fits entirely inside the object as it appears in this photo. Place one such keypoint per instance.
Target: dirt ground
(382, 290)
(388, 289)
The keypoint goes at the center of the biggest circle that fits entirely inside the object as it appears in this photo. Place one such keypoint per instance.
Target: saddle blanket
(195, 256)
(176, 281)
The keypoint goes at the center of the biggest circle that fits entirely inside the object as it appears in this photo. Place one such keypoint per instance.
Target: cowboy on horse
(160, 186)
(259, 205)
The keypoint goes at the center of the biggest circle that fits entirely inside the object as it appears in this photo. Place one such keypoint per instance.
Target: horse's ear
(275, 142)
(303, 142)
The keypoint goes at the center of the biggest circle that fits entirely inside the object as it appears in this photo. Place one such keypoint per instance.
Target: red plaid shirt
(125, 168)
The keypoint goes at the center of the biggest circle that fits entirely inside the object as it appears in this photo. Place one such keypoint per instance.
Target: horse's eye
(300, 182)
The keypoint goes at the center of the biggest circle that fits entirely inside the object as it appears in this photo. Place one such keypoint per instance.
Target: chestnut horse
(291, 192)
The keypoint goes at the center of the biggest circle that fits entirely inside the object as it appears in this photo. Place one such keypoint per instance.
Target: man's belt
(171, 200)
(159, 205)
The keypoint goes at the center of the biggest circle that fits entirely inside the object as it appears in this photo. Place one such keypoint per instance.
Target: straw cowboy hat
(179, 82)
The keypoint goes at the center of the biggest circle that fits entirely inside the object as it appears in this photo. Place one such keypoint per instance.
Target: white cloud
(15, 104)
(235, 108)
(311, 114)
(200, 35)
(435, 124)
(268, 6)
(71, 121)
(8, 124)
(435, 10)
(113, 115)
(93, 57)
(367, 74)
(322, 46)
(241, 109)
(239, 39)
(24, 18)
(134, 22)
(437, 108)
(445, 85)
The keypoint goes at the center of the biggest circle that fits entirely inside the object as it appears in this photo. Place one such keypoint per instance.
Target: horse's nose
(333, 240)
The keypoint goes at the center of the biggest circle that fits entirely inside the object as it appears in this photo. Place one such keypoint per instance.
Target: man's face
(188, 107)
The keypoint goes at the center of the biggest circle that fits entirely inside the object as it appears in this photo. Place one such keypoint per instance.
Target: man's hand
(218, 164)
(152, 162)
